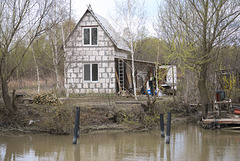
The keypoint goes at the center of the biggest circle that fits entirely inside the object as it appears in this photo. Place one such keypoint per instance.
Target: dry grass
(29, 87)
(29, 83)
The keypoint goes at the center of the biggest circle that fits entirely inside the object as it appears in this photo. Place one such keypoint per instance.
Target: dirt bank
(97, 114)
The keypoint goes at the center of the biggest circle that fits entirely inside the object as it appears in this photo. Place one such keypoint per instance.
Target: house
(96, 57)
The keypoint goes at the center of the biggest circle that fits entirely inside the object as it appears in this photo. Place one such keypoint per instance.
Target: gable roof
(108, 29)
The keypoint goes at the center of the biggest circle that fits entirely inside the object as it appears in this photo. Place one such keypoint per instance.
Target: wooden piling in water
(76, 126)
(162, 125)
(168, 128)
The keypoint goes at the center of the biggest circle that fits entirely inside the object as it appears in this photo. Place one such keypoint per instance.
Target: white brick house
(92, 52)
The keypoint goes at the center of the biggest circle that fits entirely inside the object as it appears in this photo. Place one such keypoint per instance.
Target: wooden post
(162, 125)
(168, 128)
(120, 88)
(76, 126)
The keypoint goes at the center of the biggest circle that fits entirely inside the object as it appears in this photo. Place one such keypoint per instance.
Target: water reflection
(34, 147)
(187, 143)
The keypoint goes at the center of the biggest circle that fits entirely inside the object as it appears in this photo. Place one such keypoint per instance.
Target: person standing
(152, 81)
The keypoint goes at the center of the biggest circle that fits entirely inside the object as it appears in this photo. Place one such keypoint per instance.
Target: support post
(168, 128)
(162, 125)
(76, 126)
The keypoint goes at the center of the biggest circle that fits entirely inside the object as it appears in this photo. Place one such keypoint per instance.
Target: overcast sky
(105, 7)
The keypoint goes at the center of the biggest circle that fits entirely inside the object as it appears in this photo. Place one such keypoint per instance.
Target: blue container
(149, 92)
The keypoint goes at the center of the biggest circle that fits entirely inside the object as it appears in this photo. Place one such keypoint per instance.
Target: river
(188, 142)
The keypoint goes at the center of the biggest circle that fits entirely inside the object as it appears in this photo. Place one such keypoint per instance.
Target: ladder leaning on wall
(121, 74)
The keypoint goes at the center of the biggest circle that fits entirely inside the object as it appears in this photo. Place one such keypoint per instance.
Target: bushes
(61, 121)
(142, 118)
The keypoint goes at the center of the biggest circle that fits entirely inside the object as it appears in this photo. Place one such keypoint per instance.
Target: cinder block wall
(76, 55)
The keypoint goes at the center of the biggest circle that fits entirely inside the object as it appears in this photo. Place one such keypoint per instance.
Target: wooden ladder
(121, 73)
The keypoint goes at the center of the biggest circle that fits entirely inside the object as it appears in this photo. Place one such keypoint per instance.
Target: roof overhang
(141, 61)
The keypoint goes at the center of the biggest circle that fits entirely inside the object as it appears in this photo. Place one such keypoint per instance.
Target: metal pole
(76, 126)
(162, 125)
(168, 127)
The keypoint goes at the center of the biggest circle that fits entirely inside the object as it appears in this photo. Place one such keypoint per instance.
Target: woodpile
(46, 99)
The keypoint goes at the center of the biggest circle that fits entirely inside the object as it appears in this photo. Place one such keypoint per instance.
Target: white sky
(105, 7)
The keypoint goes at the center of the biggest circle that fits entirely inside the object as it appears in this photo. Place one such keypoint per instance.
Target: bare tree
(195, 30)
(131, 21)
(14, 33)
(59, 14)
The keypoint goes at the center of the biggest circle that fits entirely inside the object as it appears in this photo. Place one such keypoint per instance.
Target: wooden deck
(222, 121)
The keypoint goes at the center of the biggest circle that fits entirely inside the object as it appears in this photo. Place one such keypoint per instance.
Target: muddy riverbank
(97, 114)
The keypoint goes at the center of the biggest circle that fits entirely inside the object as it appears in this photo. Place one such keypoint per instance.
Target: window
(87, 72)
(90, 36)
(86, 36)
(90, 72)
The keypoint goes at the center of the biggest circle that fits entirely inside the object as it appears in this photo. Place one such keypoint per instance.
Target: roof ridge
(94, 15)
(112, 34)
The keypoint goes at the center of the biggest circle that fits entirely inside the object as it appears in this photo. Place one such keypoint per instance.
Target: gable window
(90, 72)
(90, 36)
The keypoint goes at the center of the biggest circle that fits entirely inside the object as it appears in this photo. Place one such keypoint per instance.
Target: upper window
(90, 72)
(90, 36)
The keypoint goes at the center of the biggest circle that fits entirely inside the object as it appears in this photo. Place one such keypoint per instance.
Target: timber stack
(46, 99)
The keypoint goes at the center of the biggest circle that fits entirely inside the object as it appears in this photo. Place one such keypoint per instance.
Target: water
(187, 143)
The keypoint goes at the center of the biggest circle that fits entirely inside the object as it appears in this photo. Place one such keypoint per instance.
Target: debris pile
(46, 99)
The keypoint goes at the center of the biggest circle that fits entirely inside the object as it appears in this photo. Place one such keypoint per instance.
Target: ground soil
(97, 114)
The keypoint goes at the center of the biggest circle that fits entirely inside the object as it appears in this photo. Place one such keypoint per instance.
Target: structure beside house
(96, 57)
(227, 84)
(169, 75)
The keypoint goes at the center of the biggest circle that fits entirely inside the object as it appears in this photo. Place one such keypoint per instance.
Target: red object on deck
(237, 111)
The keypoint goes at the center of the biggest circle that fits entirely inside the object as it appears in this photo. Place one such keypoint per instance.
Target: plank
(223, 121)
(130, 102)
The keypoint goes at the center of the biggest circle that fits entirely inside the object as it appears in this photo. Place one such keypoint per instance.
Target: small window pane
(87, 72)
(86, 36)
(94, 36)
(94, 72)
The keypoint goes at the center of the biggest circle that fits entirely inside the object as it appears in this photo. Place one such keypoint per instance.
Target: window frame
(90, 72)
(90, 36)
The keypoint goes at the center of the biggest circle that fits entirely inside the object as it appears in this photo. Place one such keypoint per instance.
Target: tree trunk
(5, 95)
(37, 70)
(55, 53)
(133, 73)
(38, 80)
(57, 79)
(56, 61)
(70, 16)
(65, 66)
(203, 90)
(55, 64)
(13, 99)
(173, 86)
